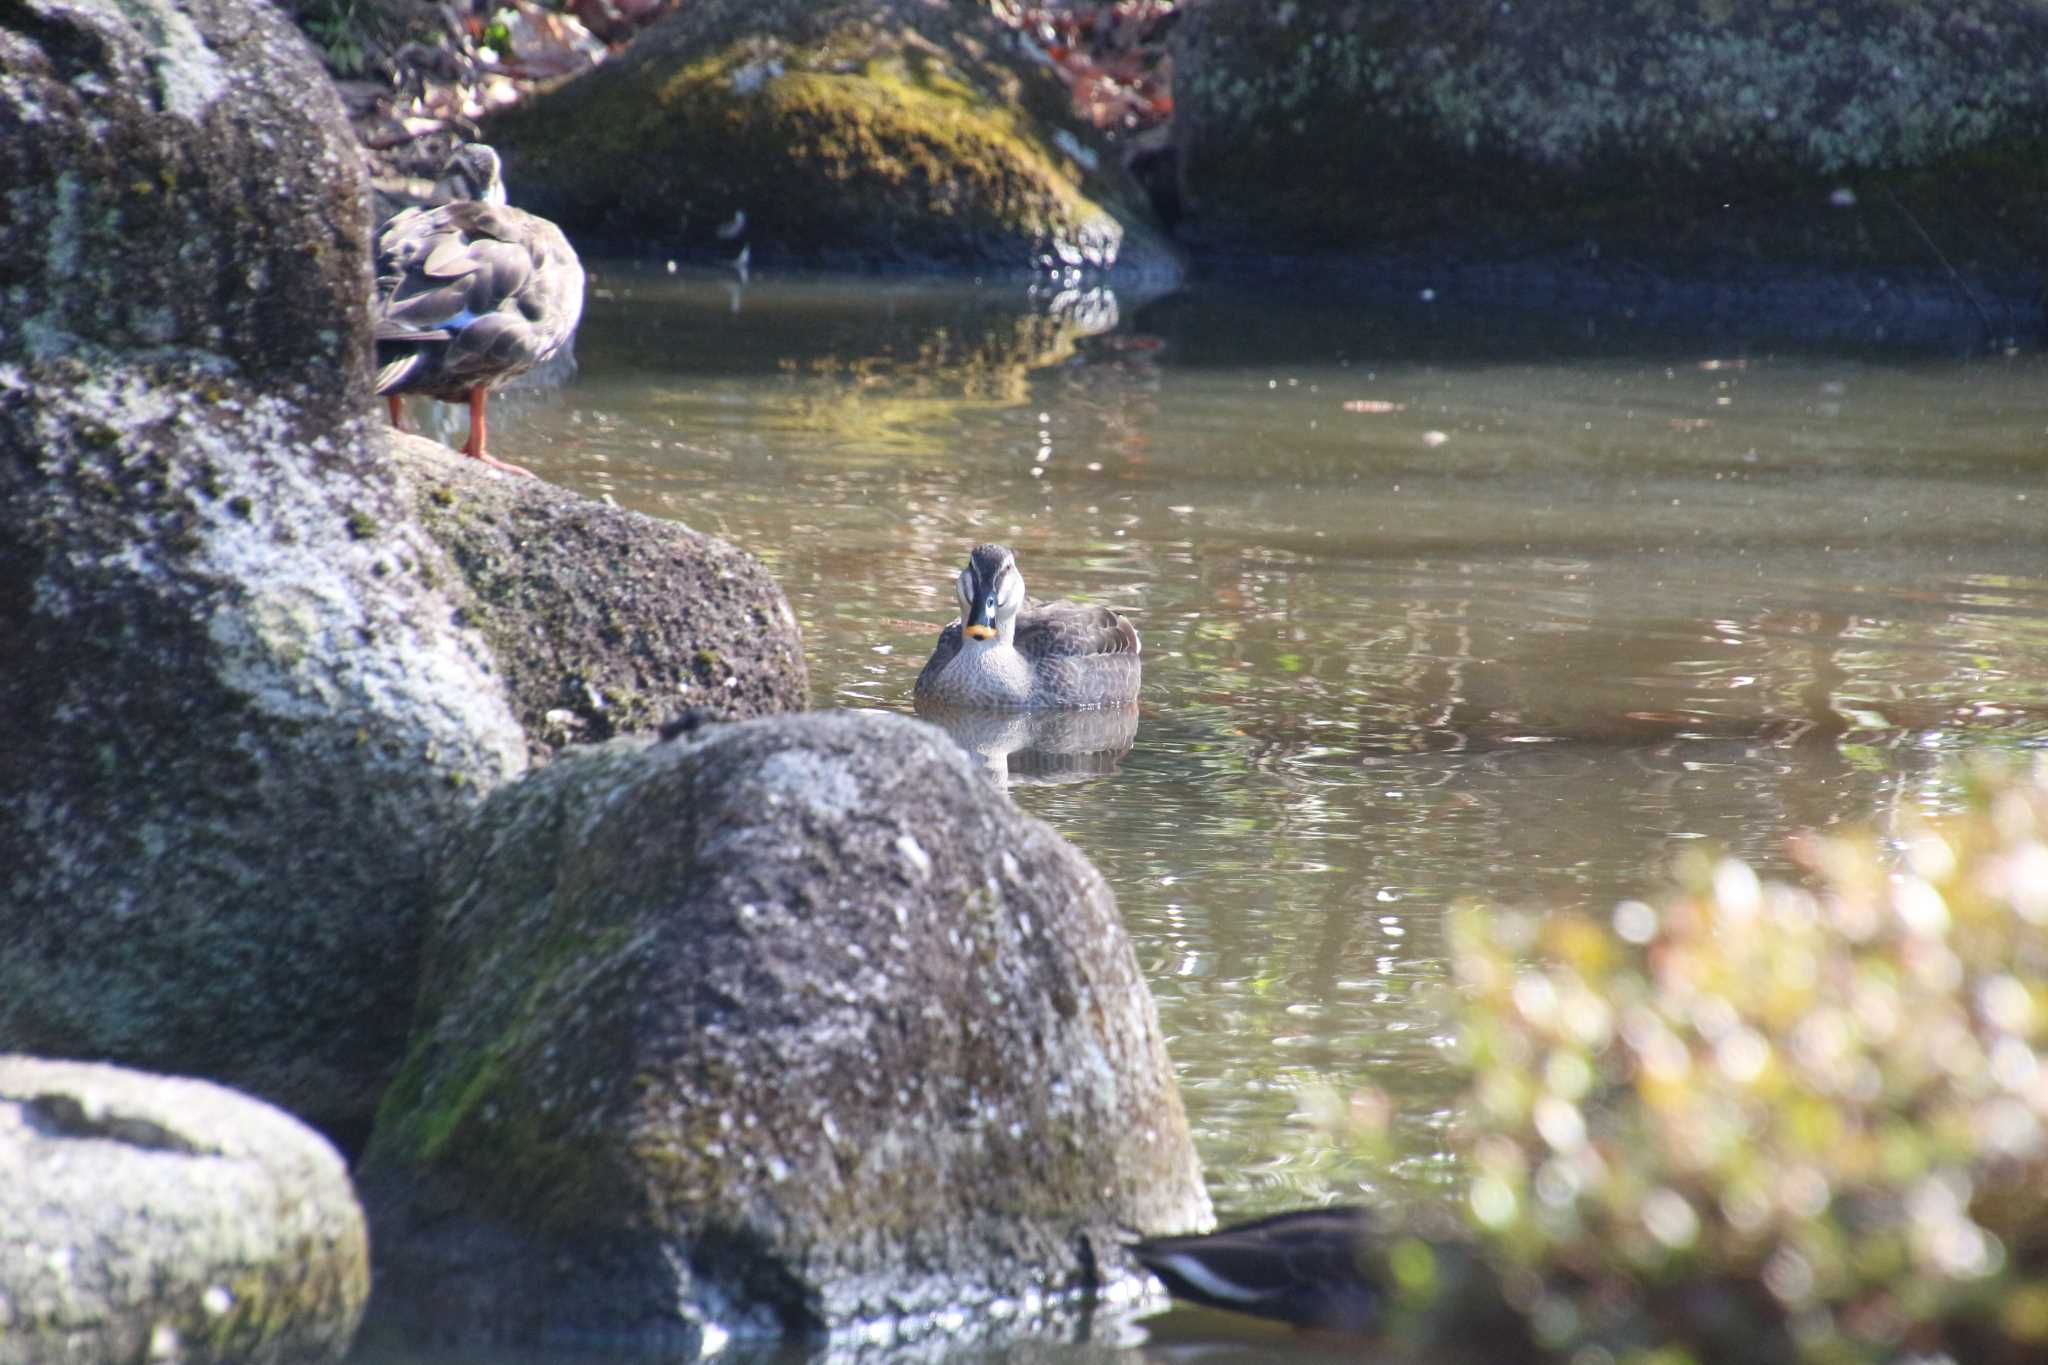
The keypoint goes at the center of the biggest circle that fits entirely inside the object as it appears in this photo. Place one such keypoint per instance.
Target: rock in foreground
(779, 1026)
(164, 1219)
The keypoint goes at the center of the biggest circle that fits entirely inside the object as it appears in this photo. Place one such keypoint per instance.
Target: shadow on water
(1438, 604)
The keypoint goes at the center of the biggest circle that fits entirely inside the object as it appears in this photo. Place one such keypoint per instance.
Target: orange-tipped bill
(980, 623)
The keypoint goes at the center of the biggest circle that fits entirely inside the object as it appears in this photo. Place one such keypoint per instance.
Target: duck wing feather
(470, 294)
(1047, 630)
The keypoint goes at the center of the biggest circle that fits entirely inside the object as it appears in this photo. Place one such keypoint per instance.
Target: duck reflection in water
(1039, 747)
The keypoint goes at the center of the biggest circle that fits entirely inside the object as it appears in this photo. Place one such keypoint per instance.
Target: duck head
(991, 591)
(473, 172)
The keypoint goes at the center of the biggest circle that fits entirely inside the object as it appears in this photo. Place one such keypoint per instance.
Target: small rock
(161, 1218)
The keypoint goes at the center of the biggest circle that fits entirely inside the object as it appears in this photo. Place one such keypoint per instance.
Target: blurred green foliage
(361, 38)
(497, 36)
(1801, 1122)
(336, 29)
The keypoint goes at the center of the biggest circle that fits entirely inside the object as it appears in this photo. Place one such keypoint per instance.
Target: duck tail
(391, 376)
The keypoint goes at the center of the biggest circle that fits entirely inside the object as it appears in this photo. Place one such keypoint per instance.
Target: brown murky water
(1436, 605)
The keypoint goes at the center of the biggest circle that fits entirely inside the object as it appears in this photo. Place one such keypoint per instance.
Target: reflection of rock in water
(1090, 311)
(1040, 746)
(892, 376)
(886, 368)
(945, 339)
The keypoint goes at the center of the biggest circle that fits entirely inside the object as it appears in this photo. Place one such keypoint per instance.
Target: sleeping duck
(1009, 653)
(471, 294)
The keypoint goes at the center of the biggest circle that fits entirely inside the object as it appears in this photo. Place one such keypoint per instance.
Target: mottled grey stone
(603, 621)
(165, 1219)
(235, 714)
(1843, 134)
(179, 179)
(781, 1026)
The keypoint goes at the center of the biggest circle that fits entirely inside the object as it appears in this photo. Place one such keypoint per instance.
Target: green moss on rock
(750, 1027)
(609, 631)
(880, 131)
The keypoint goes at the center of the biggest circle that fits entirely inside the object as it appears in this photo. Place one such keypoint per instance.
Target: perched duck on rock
(1007, 652)
(1301, 1267)
(471, 294)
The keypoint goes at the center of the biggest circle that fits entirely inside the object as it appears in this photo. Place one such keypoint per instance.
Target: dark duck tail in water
(1302, 1268)
(471, 294)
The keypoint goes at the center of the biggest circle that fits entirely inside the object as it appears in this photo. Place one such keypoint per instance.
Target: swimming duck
(471, 294)
(1007, 652)
(1301, 1267)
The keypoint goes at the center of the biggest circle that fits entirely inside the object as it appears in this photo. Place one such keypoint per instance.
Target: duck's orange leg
(397, 406)
(475, 448)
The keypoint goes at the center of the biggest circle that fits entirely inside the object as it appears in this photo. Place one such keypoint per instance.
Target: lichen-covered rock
(854, 132)
(164, 1219)
(178, 177)
(778, 1026)
(603, 621)
(235, 715)
(1807, 133)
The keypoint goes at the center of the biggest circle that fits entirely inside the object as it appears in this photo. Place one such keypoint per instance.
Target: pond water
(1437, 603)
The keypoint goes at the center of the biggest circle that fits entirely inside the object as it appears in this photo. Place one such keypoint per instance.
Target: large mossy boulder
(159, 1218)
(856, 132)
(781, 1026)
(603, 621)
(235, 712)
(1850, 134)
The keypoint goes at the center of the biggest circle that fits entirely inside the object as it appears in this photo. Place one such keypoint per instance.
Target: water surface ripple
(1435, 606)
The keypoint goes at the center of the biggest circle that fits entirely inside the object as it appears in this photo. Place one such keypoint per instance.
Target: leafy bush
(361, 37)
(1795, 1121)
